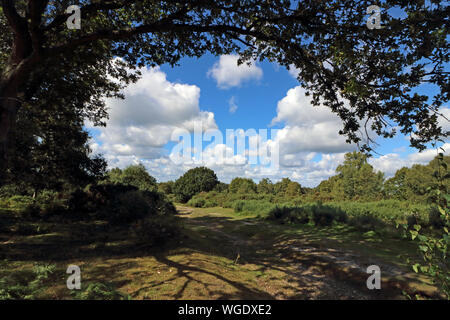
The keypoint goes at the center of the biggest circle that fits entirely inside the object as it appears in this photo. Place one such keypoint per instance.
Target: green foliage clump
(435, 218)
(99, 291)
(197, 202)
(318, 214)
(194, 181)
(259, 207)
(290, 215)
(325, 215)
(17, 202)
(366, 223)
(119, 203)
(135, 175)
(49, 203)
(242, 185)
(155, 231)
(25, 284)
(355, 180)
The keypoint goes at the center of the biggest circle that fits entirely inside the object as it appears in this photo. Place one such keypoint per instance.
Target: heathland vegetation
(132, 210)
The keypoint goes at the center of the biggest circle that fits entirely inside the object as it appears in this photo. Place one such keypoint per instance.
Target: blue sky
(168, 101)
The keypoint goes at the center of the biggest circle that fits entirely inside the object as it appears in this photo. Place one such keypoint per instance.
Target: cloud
(228, 74)
(444, 121)
(232, 105)
(308, 128)
(154, 108)
(392, 162)
(293, 71)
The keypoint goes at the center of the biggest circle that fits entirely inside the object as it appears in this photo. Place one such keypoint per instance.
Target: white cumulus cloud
(154, 108)
(228, 73)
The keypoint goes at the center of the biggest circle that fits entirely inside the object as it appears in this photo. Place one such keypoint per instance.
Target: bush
(366, 223)
(155, 231)
(325, 215)
(194, 181)
(323, 218)
(17, 202)
(435, 218)
(279, 213)
(25, 284)
(197, 202)
(134, 175)
(238, 206)
(286, 214)
(118, 203)
(300, 215)
(129, 207)
(49, 203)
(98, 291)
(210, 204)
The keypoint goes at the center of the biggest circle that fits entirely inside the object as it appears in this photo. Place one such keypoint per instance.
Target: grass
(220, 255)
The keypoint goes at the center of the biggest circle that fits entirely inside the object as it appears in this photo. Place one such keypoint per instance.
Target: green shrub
(155, 231)
(118, 203)
(323, 218)
(129, 207)
(98, 291)
(435, 218)
(366, 223)
(300, 215)
(18, 202)
(279, 213)
(238, 206)
(193, 182)
(210, 204)
(197, 202)
(134, 175)
(324, 215)
(50, 203)
(25, 284)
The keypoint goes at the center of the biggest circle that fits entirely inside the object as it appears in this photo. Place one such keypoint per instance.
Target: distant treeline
(355, 180)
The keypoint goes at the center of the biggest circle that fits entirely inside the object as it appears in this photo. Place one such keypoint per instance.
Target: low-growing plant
(435, 218)
(366, 223)
(197, 202)
(24, 285)
(99, 291)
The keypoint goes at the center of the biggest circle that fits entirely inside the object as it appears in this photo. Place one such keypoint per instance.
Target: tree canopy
(356, 179)
(194, 181)
(371, 78)
(134, 175)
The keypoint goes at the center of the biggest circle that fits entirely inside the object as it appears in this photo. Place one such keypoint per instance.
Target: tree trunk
(8, 111)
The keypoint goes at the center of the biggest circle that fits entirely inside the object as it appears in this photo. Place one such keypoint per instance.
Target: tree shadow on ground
(221, 258)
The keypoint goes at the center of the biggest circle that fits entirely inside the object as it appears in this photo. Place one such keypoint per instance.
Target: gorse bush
(119, 203)
(284, 214)
(323, 215)
(318, 214)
